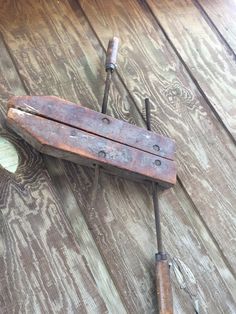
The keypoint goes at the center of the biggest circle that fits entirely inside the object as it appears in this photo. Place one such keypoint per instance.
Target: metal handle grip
(164, 293)
(111, 56)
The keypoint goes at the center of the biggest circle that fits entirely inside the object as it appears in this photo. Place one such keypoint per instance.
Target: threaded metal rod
(106, 91)
(157, 217)
(154, 187)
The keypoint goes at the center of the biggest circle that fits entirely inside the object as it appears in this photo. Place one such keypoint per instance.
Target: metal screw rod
(154, 188)
(106, 91)
(157, 218)
(148, 114)
(110, 66)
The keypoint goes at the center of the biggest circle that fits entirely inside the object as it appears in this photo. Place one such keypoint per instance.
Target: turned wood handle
(163, 285)
(111, 55)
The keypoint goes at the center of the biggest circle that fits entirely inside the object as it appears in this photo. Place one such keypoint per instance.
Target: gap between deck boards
(122, 82)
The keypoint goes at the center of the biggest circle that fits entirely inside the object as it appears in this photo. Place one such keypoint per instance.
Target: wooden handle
(163, 285)
(111, 55)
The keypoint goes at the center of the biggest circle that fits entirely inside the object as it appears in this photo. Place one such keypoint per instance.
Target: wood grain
(206, 57)
(43, 269)
(181, 112)
(91, 121)
(122, 224)
(69, 143)
(164, 292)
(41, 265)
(88, 246)
(222, 14)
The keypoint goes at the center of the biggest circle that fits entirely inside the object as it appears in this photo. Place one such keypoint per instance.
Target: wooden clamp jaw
(69, 131)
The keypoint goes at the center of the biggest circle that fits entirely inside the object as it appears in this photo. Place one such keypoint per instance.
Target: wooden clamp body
(69, 131)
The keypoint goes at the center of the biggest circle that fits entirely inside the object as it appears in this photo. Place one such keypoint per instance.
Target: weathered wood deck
(59, 255)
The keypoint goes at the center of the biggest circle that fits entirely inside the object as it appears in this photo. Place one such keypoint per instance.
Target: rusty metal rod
(157, 218)
(154, 187)
(110, 66)
(106, 91)
(148, 114)
(163, 284)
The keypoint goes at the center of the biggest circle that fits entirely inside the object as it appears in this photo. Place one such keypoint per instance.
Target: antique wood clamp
(70, 131)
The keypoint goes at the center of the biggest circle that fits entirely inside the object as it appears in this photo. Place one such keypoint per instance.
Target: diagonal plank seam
(143, 119)
(204, 96)
(46, 160)
(207, 228)
(213, 26)
(66, 181)
(117, 70)
(103, 256)
(191, 75)
(65, 174)
(14, 63)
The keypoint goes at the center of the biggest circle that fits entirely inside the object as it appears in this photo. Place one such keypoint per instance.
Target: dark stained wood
(222, 14)
(111, 56)
(164, 293)
(208, 60)
(179, 110)
(94, 122)
(65, 142)
(63, 57)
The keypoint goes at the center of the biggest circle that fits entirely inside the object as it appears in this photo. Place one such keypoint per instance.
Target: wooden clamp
(69, 131)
